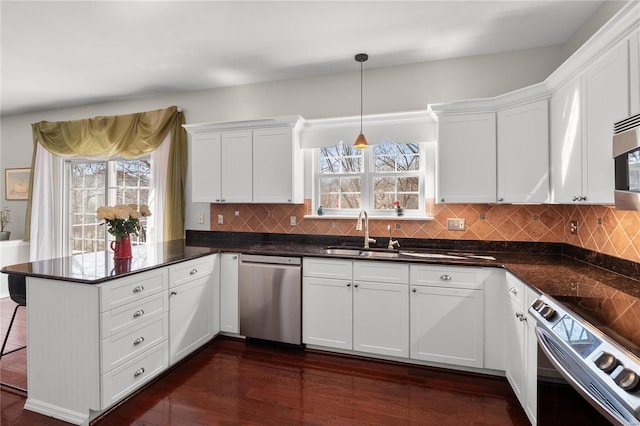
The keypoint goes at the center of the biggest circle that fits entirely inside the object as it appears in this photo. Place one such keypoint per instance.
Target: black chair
(18, 293)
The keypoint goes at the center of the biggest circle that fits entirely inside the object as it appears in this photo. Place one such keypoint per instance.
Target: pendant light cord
(361, 108)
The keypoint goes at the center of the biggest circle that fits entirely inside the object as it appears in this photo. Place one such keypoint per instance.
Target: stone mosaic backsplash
(600, 228)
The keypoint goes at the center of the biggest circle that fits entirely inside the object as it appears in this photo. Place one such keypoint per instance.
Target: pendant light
(361, 141)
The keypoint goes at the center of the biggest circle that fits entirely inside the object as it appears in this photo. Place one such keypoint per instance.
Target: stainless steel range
(603, 371)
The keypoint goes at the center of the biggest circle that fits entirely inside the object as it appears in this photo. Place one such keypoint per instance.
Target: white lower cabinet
(190, 306)
(359, 305)
(447, 315)
(229, 319)
(191, 311)
(521, 349)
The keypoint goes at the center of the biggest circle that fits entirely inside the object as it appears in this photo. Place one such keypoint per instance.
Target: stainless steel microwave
(626, 155)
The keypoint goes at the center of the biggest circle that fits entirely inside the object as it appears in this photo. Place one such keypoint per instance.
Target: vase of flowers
(122, 221)
(5, 218)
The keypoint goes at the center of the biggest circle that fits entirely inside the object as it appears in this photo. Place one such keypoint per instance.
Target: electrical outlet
(292, 220)
(237, 213)
(201, 218)
(269, 213)
(573, 227)
(220, 219)
(455, 224)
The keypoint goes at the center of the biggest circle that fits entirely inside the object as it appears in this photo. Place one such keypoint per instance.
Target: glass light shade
(361, 142)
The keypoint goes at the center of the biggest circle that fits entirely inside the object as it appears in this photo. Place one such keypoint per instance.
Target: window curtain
(128, 136)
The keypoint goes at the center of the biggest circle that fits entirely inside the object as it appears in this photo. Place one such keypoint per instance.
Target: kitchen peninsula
(99, 330)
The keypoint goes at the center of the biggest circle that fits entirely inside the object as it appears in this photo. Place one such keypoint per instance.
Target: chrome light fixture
(361, 141)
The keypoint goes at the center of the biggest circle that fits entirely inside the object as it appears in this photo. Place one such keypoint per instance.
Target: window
(349, 179)
(91, 184)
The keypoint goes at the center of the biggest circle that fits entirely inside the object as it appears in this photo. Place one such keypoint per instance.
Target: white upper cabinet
(206, 184)
(634, 73)
(582, 115)
(466, 165)
(566, 142)
(236, 167)
(277, 161)
(523, 153)
(256, 161)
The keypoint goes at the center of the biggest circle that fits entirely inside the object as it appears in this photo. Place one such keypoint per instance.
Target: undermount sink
(342, 251)
(381, 253)
(432, 255)
(360, 252)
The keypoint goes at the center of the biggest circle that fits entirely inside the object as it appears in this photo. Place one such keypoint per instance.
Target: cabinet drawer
(446, 276)
(125, 379)
(382, 272)
(119, 319)
(327, 268)
(126, 290)
(190, 270)
(515, 289)
(121, 347)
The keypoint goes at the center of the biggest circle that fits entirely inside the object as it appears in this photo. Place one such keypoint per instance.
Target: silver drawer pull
(138, 372)
(138, 289)
(136, 314)
(445, 277)
(138, 340)
(513, 290)
(193, 271)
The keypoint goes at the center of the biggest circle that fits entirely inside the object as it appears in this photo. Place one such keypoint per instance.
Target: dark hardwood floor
(231, 382)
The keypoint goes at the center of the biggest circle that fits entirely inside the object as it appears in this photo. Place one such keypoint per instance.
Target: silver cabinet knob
(415, 290)
(445, 277)
(138, 289)
(234, 257)
(138, 372)
(138, 340)
(136, 314)
(355, 285)
(173, 293)
(513, 291)
(348, 284)
(193, 271)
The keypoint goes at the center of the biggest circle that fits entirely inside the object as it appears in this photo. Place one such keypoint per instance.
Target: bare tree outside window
(394, 174)
(343, 166)
(92, 184)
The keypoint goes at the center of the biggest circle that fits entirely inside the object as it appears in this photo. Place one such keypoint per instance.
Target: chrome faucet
(367, 240)
(392, 242)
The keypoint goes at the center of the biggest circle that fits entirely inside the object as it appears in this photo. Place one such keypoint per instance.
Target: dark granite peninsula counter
(99, 267)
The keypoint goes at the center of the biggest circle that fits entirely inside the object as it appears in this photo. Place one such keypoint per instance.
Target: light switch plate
(455, 224)
(292, 220)
(220, 219)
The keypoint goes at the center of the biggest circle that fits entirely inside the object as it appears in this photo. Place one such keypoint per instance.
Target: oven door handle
(618, 415)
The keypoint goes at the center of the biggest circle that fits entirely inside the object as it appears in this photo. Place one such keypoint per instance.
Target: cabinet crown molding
(262, 123)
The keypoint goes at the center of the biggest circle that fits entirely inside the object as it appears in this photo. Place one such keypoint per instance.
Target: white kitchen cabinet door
(229, 320)
(237, 167)
(634, 73)
(381, 318)
(447, 325)
(190, 314)
(566, 142)
(466, 165)
(605, 87)
(327, 312)
(531, 359)
(215, 293)
(523, 153)
(277, 164)
(515, 336)
(206, 184)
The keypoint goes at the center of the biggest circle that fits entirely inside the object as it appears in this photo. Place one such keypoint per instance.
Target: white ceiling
(57, 54)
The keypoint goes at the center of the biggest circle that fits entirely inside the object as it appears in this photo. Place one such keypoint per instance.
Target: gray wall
(393, 89)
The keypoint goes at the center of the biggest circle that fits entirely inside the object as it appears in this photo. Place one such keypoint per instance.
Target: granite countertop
(100, 267)
(588, 283)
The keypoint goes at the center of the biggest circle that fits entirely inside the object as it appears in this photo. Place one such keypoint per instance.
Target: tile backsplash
(600, 228)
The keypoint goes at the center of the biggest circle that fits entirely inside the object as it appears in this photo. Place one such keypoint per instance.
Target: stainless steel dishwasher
(270, 298)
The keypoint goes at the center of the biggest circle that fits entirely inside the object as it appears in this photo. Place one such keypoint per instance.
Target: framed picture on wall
(16, 184)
